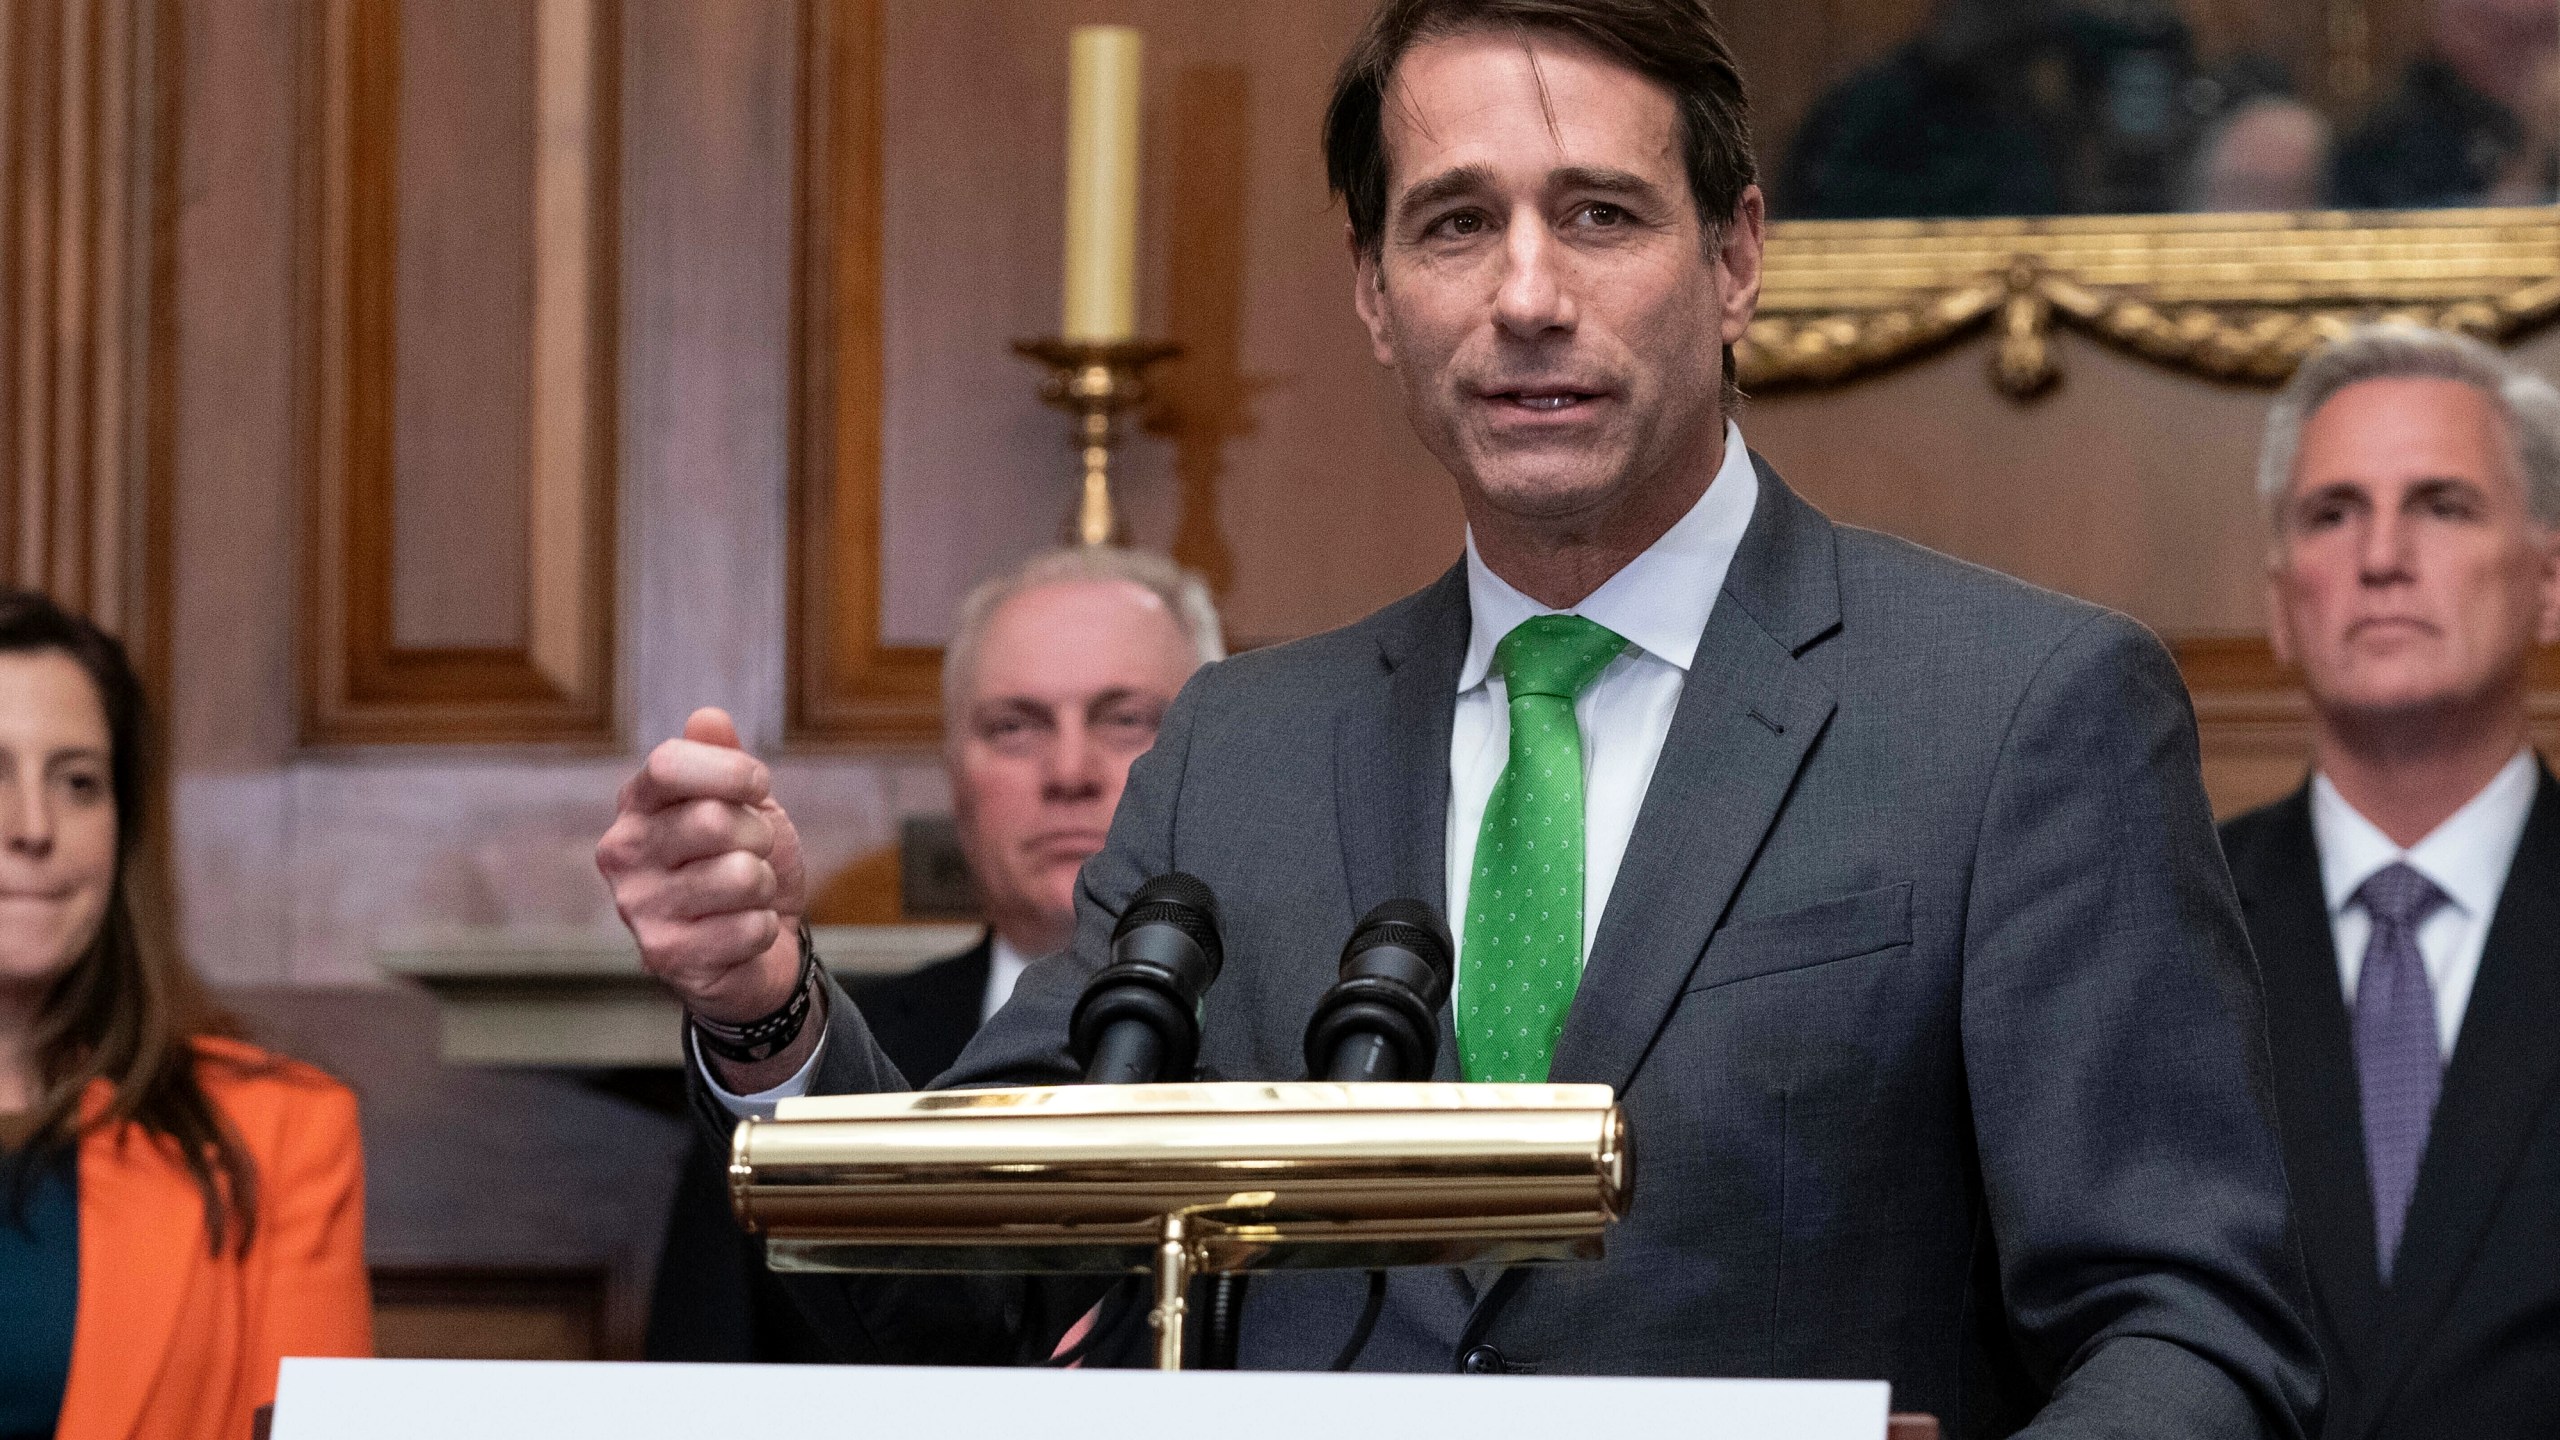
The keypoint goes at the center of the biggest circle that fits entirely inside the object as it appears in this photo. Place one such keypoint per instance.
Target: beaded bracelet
(764, 1038)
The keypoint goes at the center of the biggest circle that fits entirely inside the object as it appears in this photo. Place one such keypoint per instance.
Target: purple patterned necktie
(2398, 1063)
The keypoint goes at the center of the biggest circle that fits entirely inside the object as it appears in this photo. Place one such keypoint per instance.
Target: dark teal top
(39, 1295)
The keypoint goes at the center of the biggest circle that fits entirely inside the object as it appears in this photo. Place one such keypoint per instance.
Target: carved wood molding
(360, 684)
(88, 97)
(846, 683)
(2232, 297)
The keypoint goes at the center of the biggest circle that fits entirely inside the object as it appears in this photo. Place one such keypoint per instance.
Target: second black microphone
(1139, 1018)
(1381, 1021)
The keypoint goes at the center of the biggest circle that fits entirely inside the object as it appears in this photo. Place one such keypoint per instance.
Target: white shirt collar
(1004, 966)
(1659, 601)
(2467, 856)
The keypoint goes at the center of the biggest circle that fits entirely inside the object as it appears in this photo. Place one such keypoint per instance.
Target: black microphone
(1381, 1020)
(1139, 1019)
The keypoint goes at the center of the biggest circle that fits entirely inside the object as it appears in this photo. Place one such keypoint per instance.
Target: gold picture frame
(2238, 298)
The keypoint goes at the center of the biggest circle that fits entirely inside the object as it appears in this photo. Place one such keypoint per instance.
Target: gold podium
(1182, 1180)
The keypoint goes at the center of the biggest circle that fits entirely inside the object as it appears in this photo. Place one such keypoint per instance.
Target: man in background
(2268, 151)
(2474, 119)
(2004, 107)
(1054, 680)
(2405, 903)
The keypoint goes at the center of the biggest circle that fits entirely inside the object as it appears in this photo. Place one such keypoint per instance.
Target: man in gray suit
(1882, 888)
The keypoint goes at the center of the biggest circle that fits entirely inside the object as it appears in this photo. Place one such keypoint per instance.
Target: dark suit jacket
(2466, 1341)
(714, 1301)
(1922, 984)
(924, 1018)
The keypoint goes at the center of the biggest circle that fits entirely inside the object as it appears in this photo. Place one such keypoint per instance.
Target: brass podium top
(1271, 1173)
(1255, 1097)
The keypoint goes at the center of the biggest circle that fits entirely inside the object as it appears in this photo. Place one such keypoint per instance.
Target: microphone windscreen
(1184, 903)
(1408, 923)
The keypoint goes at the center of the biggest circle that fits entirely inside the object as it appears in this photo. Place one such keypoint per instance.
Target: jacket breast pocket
(1869, 922)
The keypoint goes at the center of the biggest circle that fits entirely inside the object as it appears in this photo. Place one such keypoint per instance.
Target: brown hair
(128, 1011)
(1674, 43)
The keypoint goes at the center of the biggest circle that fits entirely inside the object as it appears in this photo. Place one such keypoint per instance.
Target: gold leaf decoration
(2238, 298)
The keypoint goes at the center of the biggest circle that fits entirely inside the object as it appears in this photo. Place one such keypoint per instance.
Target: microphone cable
(1359, 1340)
(1223, 1318)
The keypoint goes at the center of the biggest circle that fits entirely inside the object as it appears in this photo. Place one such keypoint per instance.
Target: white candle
(1102, 183)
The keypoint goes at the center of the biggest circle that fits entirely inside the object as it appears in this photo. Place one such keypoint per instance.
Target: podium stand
(1168, 1179)
(1180, 1180)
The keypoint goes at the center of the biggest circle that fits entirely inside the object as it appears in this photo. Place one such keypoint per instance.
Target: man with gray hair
(1055, 677)
(1054, 680)
(2405, 903)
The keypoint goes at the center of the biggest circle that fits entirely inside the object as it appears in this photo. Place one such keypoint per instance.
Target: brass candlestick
(1094, 381)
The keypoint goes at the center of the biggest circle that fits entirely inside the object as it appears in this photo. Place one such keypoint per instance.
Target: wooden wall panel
(88, 105)
(462, 305)
(2254, 722)
(532, 1311)
(846, 682)
(363, 679)
(85, 89)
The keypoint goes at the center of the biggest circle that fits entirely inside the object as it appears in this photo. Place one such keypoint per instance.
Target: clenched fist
(705, 869)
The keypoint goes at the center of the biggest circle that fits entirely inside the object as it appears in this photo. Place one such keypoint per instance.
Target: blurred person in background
(2405, 903)
(2004, 107)
(2269, 152)
(1054, 680)
(2475, 119)
(178, 1210)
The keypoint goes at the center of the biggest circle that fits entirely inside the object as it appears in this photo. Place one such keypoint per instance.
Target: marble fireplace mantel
(577, 997)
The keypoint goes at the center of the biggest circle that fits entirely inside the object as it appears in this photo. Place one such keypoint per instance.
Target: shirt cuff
(758, 1106)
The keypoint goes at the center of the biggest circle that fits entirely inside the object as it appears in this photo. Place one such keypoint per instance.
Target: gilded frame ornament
(2237, 298)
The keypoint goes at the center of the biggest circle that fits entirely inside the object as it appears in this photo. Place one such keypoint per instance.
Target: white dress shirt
(1659, 603)
(2467, 857)
(1004, 966)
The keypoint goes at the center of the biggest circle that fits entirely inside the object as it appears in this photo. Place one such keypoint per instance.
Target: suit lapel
(2317, 1096)
(1391, 754)
(141, 1235)
(933, 1013)
(1391, 766)
(2501, 1078)
(1749, 714)
(946, 1013)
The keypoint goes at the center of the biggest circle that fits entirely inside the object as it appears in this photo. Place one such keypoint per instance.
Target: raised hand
(705, 870)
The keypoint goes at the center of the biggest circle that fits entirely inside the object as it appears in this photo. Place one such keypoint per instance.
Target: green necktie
(1523, 947)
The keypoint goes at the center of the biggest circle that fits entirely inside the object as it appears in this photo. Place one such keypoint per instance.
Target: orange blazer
(172, 1343)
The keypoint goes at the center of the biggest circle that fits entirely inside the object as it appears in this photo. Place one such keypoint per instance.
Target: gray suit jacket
(1922, 983)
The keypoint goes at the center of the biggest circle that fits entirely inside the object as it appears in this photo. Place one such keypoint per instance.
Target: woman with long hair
(178, 1210)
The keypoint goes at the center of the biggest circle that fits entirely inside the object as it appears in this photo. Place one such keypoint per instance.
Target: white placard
(556, 1400)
